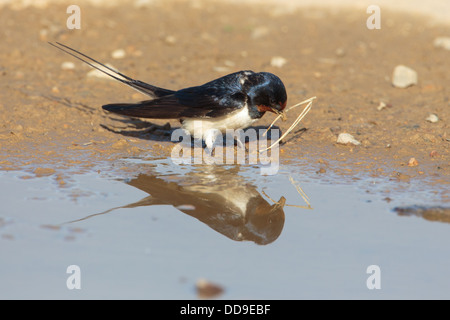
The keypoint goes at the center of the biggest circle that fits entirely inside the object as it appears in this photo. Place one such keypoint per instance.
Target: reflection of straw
(263, 192)
(299, 190)
(294, 124)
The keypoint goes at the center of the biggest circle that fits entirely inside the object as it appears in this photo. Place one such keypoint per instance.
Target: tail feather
(148, 89)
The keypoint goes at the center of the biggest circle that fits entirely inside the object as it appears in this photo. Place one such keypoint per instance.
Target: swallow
(234, 101)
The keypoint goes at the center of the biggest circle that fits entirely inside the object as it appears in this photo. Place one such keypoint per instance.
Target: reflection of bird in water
(218, 197)
(441, 214)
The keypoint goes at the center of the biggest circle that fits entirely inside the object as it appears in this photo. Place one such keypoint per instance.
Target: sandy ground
(51, 118)
(436, 10)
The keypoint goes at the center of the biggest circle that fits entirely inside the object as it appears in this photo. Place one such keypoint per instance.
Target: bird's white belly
(199, 127)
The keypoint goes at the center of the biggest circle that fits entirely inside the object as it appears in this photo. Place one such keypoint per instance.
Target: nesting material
(282, 202)
(283, 116)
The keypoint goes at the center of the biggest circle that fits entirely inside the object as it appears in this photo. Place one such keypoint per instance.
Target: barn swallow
(234, 101)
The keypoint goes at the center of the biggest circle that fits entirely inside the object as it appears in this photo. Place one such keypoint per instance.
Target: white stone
(442, 42)
(229, 63)
(98, 74)
(432, 118)
(381, 106)
(278, 62)
(118, 54)
(345, 138)
(67, 65)
(404, 77)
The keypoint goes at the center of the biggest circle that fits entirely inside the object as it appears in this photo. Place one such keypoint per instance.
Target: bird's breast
(239, 119)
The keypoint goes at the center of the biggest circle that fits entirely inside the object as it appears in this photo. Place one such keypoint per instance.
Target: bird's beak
(279, 205)
(280, 112)
(277, 110)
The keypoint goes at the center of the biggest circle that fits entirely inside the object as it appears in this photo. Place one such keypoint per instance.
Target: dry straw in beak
(294, 124)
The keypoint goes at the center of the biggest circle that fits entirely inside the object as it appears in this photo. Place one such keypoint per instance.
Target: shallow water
(220, 224)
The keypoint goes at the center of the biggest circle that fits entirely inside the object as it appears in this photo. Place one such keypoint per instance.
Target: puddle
(154, 230)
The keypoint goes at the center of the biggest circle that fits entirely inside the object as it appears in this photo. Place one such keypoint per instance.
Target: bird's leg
(211, 137)
(239, 143)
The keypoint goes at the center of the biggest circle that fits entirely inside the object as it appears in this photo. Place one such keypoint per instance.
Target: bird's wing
(145, 88)
(213, 99)
(170, 107)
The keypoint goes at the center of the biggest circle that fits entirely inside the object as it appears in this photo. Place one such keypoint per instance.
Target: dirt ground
(51, 118)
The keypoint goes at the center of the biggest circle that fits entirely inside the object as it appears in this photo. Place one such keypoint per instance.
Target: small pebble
(43, 34)
(381, 106)
(434, 153)
(98, 74)
(278, 62)
(170, 40)
(442, 42)
(42, 172)
(404, 77)
(122, 143)
(432, 118)
(259, 32)
(413, 162)
(67, 65)
(321, 170)
(345, 138)
(340, 52)
(229, 63)
(118, 54)
(206, 289)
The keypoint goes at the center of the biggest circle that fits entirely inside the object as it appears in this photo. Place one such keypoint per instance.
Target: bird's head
(268, 93)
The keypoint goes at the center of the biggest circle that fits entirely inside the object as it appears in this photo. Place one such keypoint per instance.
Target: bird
(234, 101)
